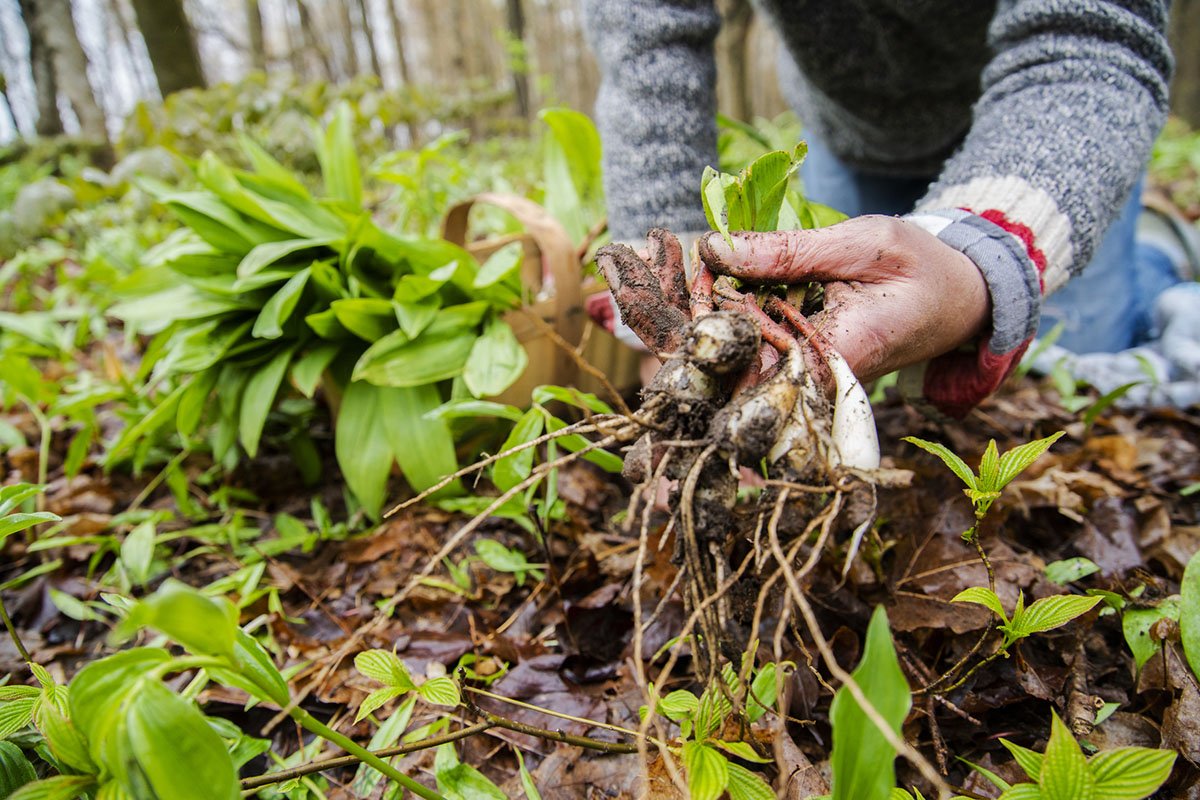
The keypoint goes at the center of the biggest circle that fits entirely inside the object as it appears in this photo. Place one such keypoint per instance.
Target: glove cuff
(955, 382)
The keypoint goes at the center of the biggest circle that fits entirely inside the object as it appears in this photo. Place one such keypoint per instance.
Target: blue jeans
(1104, 309)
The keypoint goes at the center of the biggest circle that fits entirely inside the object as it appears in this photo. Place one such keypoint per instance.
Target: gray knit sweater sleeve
(656, 109)
(1072, 99)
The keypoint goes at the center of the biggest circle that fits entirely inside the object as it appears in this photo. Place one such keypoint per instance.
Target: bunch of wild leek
(268, 291)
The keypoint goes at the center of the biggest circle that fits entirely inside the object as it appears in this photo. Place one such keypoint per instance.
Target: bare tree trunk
(313, 41)
(295, 37)
(8, 104)
(398, 36)
(70, 66)
(519, 64)
(1185, 40)
(41, 60)
(364, 17)
(171, 44)
(350, 64)
(733, 78)
(254, 28)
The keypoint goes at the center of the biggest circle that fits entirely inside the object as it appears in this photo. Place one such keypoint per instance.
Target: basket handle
(560, 266)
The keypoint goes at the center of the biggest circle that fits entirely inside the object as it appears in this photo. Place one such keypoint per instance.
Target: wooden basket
(553, 270)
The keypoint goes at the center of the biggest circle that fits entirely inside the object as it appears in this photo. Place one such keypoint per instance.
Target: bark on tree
(256, 42)
(364, 18)
(349, 55)
(520, 73)
(171, 44)
(1185, 42)
(70, 66)
(41, 58)
(732, 75)
(313, 41)
(398, 36)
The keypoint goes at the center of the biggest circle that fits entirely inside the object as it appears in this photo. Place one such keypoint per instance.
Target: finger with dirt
(639, 295)
(666, 263)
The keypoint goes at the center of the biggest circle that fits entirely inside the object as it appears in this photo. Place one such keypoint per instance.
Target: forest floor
(1108, 492)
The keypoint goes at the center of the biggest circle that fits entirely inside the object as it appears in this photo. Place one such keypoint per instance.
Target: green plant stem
(950, 673)
(43, 449)
(978, 666)
(12, 632)
(258, 781)
(314, 725)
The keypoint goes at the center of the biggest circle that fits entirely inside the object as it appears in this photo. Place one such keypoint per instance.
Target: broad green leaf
(573, 443)
(385, 667)
(203, 625)
(454, 409)
(713, 186)
(764, 185)
(1018, 459)
(266, 165)
(992, 777)
(1189, 612)
(500, 265)
(376, 699)
(707, 771)
(11, 497)
(15, 769)
(513, 468)
(14, 523)
(1137, 622)
(256, 673)
(194, 401)
(177, 752)
(1130, 773)
(981, 596)
(259, 399)
(1065, 774)
(458, 781)
(764, 690)
(441, 691)
(369, 318)
(57, 787)
(307, 370)
(397, 361)
(277, 310)
(571, 396)
(678, 705)
(291, 214)
(137, 552)
(1070, 570)
(339, 160)
(496, 360)
(863, 762)
(527, 784)
(742, 750)
(424, 448)
(100, 690)
(16, 714)
(361, 443)
(367, 778)
(1022, 791)
(571, 166)
(956, 464)
(1052, 612)
(414, 317)
(989, 465)
(747, 785)
(65, 740)
(501, 558)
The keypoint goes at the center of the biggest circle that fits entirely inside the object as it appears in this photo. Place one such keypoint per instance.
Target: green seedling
(1041, 615)
(1063, 773)
(387, 668)
(995, 471)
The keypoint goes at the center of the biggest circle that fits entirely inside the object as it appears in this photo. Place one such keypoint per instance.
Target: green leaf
(992, 777)
(458, 781)
(1130, 773)
(862, 760)
(270, 253)
(100, 691)
(137, 552)
(307, 370)
(527, 784)
(1022, 791)
(256, 673)
(989, 465)
(16, 714)
(367, 777)
(369, 318)
(764, 690)
(11, 497)
(441, 691)
(500, 265)
(742, 750)
(15, 523)
(1052, 612)
(376, 699)
(57, 787)
(15, 769)
(678, 705)
(396, 360)
(385, 667)
(259, 398)
(956, 464)
(747, 785)
(1065, 774)
(574, 193)
(496, 361)
(984, 597)
(178, 753)
(1030, 761)
(339, 159)
(203, 625)
(585, 400)
(65, 740)
(501, 558)
(424, 448)
(1137, 622)
(361, 443)
(454, 409)
(707, 771)
(277, 310)
(1017, 460)
(1189, 612)
(1070, 570)
(513, 468)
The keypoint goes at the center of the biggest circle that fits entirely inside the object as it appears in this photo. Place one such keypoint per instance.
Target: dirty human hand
(894, 294)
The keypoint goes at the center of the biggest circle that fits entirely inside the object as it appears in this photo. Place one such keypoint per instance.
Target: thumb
(823, 254)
